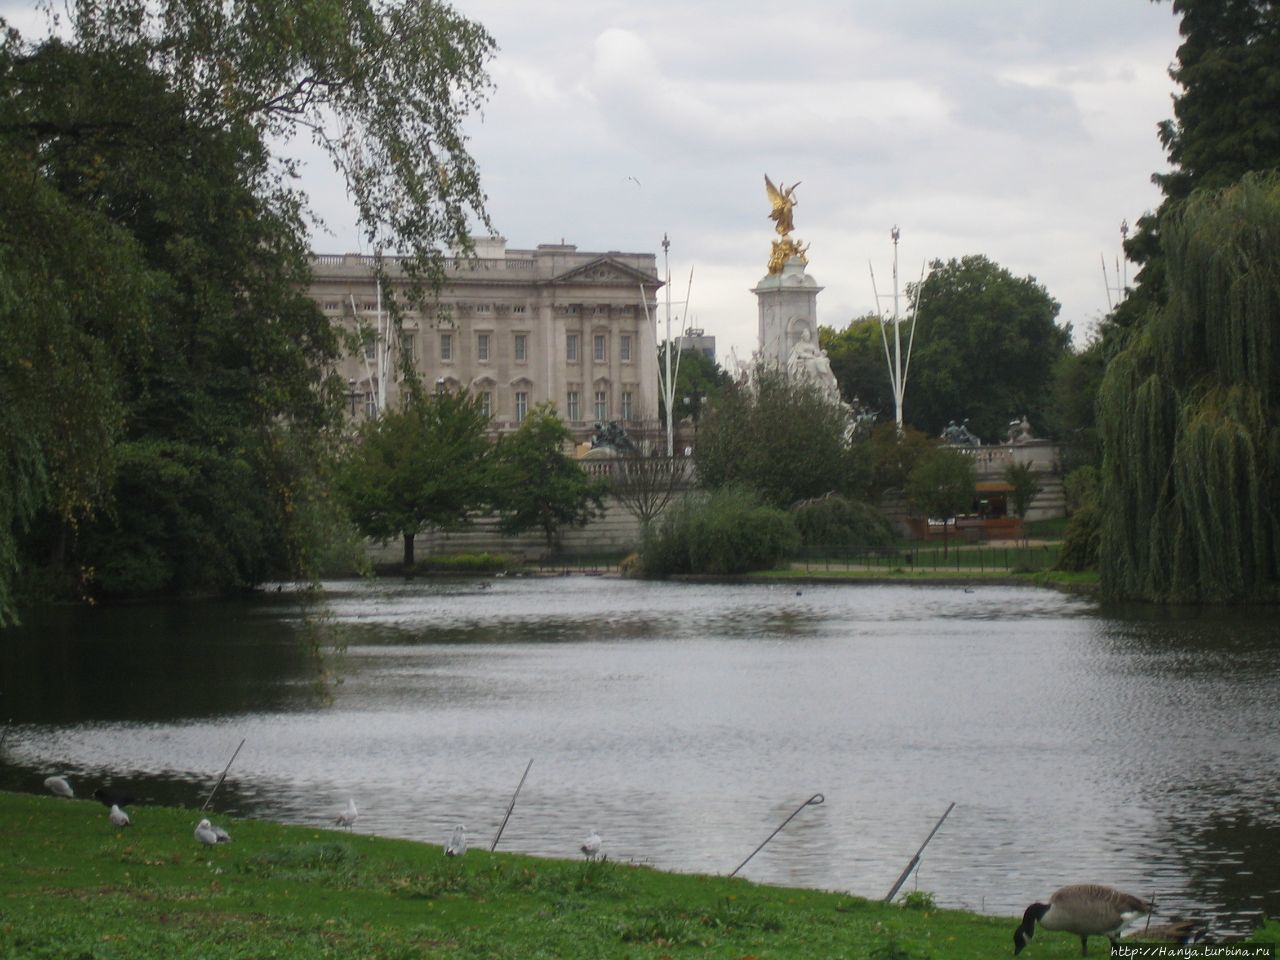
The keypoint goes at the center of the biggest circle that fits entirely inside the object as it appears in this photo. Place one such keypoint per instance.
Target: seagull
(59, 786)
(118, 817)
(347, 818)
(111, 797)
(207, 833)
(457, 844)
(591, 846)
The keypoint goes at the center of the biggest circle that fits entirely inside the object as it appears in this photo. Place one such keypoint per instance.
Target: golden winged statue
(784, 249)
(782, 202)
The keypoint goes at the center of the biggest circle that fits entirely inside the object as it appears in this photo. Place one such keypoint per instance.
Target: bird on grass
(347, 818)
(457, 844)
(59, 786)
(118, 817)
(591, 846)
(1085, 909)
(111, 797)
(1175, 930)
(207, 833)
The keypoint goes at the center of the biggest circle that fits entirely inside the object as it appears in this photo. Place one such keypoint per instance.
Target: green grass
(73, 888)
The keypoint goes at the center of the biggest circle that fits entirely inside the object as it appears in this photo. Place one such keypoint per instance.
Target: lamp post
(693, 400)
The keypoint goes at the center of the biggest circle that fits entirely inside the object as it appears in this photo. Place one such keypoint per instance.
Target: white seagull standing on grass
(591, 846)
(209, 834)
(118, 817)
(347, 818)
(59, 786)
(457, 844)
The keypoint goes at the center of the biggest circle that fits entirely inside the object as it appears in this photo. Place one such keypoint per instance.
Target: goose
(1176, 930)
(59, 786)
(118, 817)
(1085, 909)
(457, 844)
(591, 846)
(347, 818)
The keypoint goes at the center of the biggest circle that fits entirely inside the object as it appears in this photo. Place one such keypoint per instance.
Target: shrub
(836, 521)
(1081, 541)
(467, 563)
(1080, 487)
(726, 532)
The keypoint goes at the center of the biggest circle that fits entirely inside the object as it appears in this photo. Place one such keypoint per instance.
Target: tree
(645, 480)
(538, 487)
(985, 346)
(427, 464)
(698, 381)
(159, 316)
(1022, 477)
(1071, 417)
(941, 485)
(1224, 122)
(1189, 412)
(858, 361)
(778, 437)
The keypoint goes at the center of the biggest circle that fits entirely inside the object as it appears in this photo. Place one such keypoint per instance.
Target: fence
(930, 557)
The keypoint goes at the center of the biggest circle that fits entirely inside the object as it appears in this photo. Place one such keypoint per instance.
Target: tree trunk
(408, 551)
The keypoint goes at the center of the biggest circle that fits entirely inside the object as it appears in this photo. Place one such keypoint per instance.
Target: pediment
(605, 271)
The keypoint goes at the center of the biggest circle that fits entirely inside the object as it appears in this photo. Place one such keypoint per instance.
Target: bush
(1080, 487)
(726, 532)
(1084, 534)
(836, 521)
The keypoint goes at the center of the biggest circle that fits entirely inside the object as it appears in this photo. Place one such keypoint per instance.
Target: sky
(1021, 130)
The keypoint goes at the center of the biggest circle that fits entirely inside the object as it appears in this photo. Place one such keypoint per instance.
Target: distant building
(695, 339)
(515, 327)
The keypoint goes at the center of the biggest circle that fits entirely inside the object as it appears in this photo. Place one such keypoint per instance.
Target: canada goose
(1176, 930)
(1085, 909)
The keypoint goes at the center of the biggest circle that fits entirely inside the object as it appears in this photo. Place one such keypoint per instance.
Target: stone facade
(517, 327)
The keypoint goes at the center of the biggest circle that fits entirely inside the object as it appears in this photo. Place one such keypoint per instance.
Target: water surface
(685, 722)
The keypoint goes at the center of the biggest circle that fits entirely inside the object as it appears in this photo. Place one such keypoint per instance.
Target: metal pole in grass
(916, 859)
(221, 778)
(816, 799)
(511, 806)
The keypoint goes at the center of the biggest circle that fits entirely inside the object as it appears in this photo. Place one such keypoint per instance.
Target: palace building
(515, 327)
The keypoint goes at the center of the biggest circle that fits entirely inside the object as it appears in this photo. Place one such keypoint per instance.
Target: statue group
(808, 364)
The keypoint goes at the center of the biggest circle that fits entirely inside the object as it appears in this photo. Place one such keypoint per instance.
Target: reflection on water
(685, 722)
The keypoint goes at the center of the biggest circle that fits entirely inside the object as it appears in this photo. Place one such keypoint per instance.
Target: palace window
(446, 346)
(482, 346)
(627, 405)
(602, 405)
(598, 347)
(521, 347)
(624, 348)
(486, 403)
(571, 348)
(522, 405)
(574, 408)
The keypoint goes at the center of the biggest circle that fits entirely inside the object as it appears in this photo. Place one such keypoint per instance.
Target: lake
(684, 722)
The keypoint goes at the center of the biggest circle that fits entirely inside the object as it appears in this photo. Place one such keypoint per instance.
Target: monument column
(788, 303)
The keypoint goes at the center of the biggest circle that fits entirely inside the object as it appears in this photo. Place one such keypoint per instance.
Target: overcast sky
(1024, 130)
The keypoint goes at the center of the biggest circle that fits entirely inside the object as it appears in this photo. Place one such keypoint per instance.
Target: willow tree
(1190, 412)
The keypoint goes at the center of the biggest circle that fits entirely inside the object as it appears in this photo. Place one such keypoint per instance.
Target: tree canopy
(539, 487)
(169, 378)
(1190, 412)
(985, 346)
(777, 437)
(426, 464)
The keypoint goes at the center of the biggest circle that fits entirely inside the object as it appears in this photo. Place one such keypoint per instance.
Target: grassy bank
(74, 888)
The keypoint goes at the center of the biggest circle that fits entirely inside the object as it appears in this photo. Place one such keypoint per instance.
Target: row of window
(520, 347)
(573, 406)
(333, 306)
